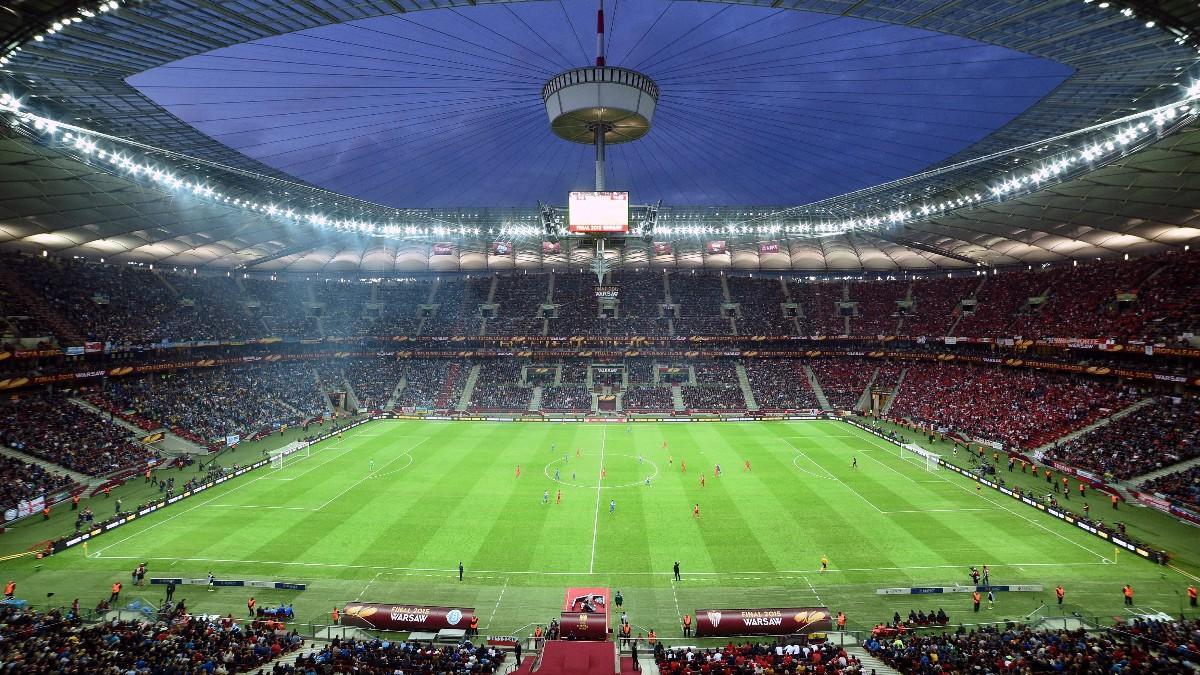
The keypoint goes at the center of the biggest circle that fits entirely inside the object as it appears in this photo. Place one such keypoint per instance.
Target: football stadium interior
(733, 337)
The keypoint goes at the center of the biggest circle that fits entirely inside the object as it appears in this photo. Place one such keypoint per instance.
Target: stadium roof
(58, 199)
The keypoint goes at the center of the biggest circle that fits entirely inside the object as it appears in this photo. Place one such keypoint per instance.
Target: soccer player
(371, 466)
(578, 452)
(212, 582)
(824, 564)
(545, 496)
(553, 448)
(991, 599)
(987, 576)
(696, 511)
(701, 480)
(664, 445)
(556, 474)
(518, 471)
(612, 505)
(854, 462)
(603, 472)
(640, 460)
(746, 466)
(558, 498)
(683, 465)
(717, 471)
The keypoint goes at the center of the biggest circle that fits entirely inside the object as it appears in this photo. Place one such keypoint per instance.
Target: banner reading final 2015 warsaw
(777, 621)
(405, 617)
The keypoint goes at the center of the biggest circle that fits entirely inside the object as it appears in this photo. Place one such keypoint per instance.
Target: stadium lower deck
(385, 511)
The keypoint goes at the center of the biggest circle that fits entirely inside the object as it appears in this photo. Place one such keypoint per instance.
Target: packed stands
(819, 302)
(843, 379)
(935, 304)
(761, 304)
(1168, 305)
(578, 313)
(520, 297)
(1020, 408)
(496, 387)
(574, 397)
(68, 435)
(55, 642)
(1141, 647)
(699, 297)
(756, 658)
(1180, 486)
(423, 383)
(641, 293)
(205, 405)
(74, 301)
(780, 385)
(21, 481)
(720, 397)
(640, 397)
(1083, 301)
(1155, 436)
(1003, 298)
(878, 313)
(387, 656)
(374, 380)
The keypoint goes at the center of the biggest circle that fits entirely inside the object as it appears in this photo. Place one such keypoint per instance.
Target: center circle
(649, 464)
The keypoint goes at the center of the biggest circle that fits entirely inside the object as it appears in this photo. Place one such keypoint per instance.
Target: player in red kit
(696, 511)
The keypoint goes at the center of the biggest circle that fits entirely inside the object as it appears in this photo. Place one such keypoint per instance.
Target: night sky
(758, 106)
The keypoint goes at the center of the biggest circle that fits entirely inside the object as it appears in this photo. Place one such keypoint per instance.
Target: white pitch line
(675, 597)
(691, 576)
(813, 589)
(964, 488)
(373, 474)
(364, 590)
(834, 478)
(261, 507)
(498, 599)
(888, 513)
(167, 520)
(599, 491)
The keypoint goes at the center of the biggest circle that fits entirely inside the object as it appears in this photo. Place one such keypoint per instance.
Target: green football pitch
(386, 513)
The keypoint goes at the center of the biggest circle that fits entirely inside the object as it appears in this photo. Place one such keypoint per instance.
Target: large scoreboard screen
(598, 212)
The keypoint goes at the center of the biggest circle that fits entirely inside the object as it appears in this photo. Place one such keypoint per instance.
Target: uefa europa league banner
(780, 621)
(405, 617)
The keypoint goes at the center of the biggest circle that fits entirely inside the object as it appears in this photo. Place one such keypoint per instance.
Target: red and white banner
(551, 247)
(715, 247)
(768, 247)
(662, 248)
(443, 249)
(780, 621)
(502, 248)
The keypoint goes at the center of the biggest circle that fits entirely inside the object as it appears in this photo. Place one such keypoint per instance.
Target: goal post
(289, 453)
(914, 452)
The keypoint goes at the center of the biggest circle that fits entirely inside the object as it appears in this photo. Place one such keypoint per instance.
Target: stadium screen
(598, 212)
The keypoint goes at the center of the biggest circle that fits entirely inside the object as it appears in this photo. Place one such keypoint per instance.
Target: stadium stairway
(1102, 422)
(895, 392)
(535, 400)
(870, 664)
(864, 401)
(49, 466)
(744, 383)
(171, 444)
(816, 387)
(677, 398)
(1159, 473)
(464, 400)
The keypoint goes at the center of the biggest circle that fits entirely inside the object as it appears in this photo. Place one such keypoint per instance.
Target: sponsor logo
(714, 618)
(453, 617)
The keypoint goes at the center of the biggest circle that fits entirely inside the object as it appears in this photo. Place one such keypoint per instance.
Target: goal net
(289, 454)
(915, 453)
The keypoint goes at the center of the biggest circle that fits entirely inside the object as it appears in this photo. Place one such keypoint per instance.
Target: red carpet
(577, 658)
